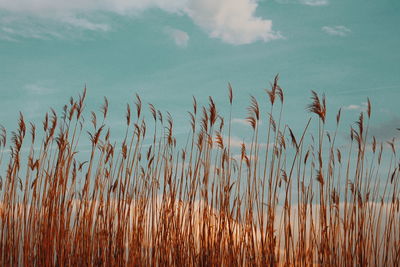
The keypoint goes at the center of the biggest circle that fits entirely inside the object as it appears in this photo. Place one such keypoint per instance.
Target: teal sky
(168, 51)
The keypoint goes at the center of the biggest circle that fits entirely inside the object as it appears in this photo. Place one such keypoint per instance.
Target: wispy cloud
(15, 27)
(361, 107)
(232, 21)
(237, 142)
(180, 37)
(37, 89)
(85, 24)
(244, 122)
(358, 107)
(315, 2)
(337, 30)
(240, 121)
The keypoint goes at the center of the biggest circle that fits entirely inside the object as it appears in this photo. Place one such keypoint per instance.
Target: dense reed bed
(298, 200)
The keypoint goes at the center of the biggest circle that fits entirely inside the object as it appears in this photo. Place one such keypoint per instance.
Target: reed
(282, 199)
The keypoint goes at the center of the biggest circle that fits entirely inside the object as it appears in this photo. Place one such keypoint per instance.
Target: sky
(169, 51)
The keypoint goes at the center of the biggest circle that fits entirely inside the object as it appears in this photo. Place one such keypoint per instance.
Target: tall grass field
(284, 199)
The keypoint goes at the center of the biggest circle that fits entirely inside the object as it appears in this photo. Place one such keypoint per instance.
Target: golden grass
(290, 202)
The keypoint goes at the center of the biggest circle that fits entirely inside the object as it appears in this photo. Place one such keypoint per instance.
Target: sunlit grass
(299, 200)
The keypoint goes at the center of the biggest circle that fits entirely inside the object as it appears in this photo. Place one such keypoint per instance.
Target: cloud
(240, 121)
(244, 122)
(85, 24)
(337, 30)
(66, 26)
(180, 37)
(237, 142)
(315, 2)
(362, 107)
(37, 89)
(232, 21)
(54, 7)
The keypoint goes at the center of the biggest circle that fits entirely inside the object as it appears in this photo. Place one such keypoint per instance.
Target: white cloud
(49, 7)
(244, 122)
(315, 2)
(85, 24)
(232, 21)
(240, 121)
(362, 107)
(16, 26)
(337, 30)
(237, 142)
(352, 107)
(180, 37)
(37, 89)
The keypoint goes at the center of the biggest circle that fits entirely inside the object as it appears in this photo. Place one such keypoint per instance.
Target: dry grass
(292, 202)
